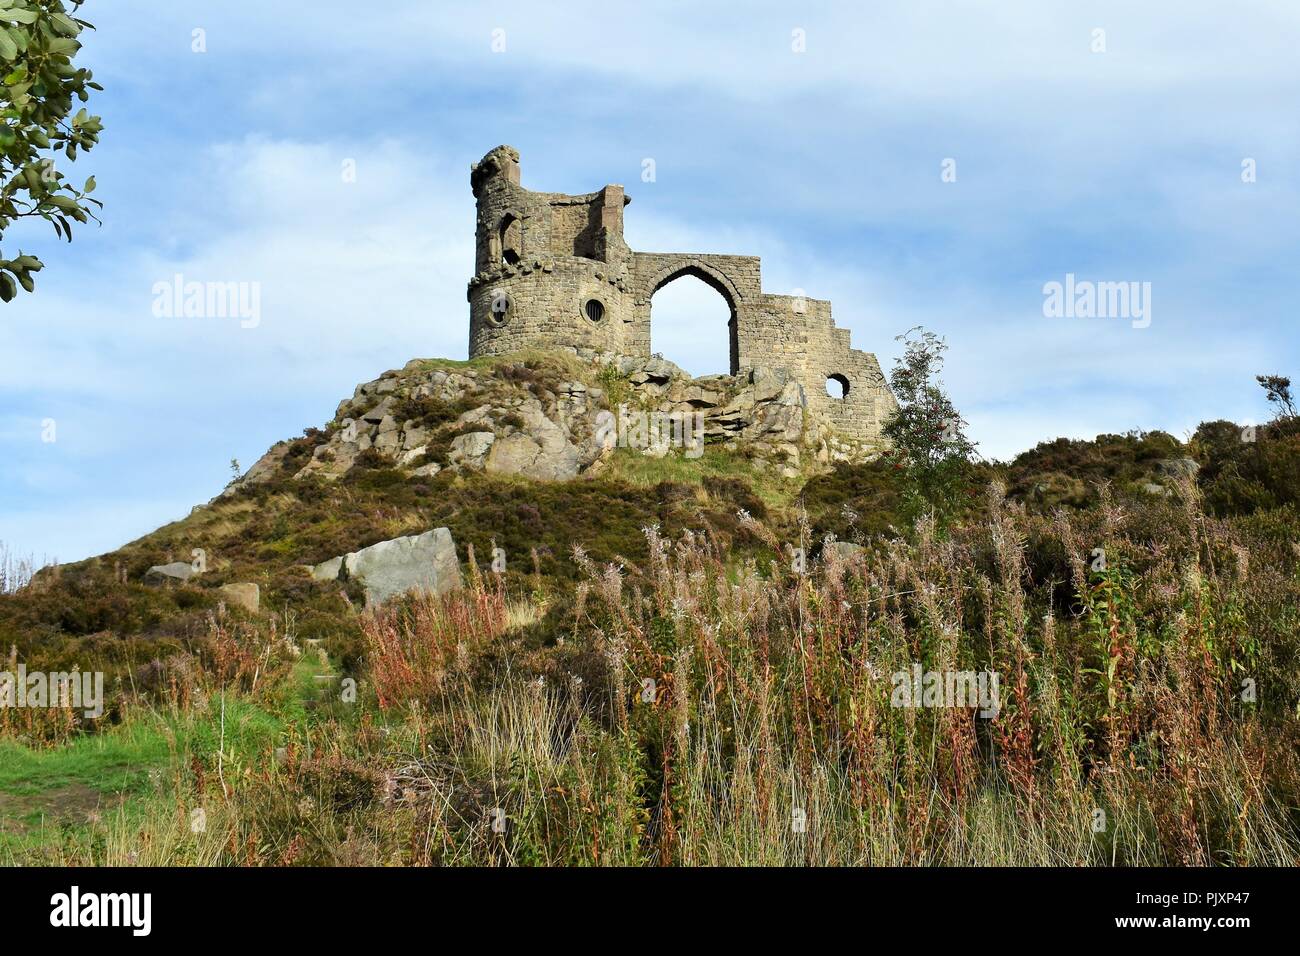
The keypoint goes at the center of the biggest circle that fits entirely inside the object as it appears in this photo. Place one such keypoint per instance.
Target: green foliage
(1249, 469)
(38, 41)
(771, 689)
(855, 502)
(1278, 388)
(615, 385)
(430, 412)
(1070, 472)
(1123, 679)
(927, 432)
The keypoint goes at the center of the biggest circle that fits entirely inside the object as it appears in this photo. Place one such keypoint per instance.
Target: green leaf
(90, 185)
(18, 16)
(8, 288)
(8, 50)
(64, 25)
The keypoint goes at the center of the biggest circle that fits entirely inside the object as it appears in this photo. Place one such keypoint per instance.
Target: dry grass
(704, 710)
(17, 571)
(769, 736)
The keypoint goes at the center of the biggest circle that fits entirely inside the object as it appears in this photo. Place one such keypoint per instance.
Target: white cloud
(355, 278)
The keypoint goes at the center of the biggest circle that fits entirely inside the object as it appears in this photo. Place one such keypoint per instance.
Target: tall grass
(1144, 719)
(17, 571)
(706, 709)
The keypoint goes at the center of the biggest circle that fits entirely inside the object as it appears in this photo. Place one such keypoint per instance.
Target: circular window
(594, 309)
(837, 387)
(500, 308)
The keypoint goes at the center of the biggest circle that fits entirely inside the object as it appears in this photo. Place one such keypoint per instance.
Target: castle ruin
(553, 271)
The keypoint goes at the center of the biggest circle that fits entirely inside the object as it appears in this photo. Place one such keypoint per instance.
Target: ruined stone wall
(546, 299)
(535, 280)
(553, 271)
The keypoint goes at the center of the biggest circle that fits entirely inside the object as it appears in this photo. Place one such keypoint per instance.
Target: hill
(663, 650)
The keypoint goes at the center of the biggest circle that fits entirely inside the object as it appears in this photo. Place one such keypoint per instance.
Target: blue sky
(1122, 165)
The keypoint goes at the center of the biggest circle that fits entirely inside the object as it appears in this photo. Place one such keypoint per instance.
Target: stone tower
(553, 271)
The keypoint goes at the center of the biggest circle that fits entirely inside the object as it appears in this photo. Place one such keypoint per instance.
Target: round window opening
(594, 309)
(501, 307)
(837, 387)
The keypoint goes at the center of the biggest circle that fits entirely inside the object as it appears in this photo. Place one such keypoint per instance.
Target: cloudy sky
(1105, 140)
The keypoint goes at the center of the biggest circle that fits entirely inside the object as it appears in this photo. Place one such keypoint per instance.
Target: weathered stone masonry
(553, 271)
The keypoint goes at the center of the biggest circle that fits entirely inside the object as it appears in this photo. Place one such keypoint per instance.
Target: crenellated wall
(553, 271)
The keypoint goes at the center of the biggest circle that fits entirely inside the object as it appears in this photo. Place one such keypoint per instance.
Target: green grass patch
(643, 471)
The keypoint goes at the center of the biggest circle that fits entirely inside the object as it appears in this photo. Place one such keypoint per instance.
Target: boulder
(423, 562)
(652, 373)
(388, 442)
(412, 456)
(768, 383)
(328, 570)
(378, 413)
(247, 596)
(475, 415)
(521, 455)
(541, 449)
(414, 437)
(698, 397)
(470, 448)
(266, 466)
(162, 573)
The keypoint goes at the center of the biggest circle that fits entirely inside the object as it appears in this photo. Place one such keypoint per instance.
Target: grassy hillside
(1149, 701)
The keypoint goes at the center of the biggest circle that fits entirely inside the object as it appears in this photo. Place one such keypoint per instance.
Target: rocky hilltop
(505, 417)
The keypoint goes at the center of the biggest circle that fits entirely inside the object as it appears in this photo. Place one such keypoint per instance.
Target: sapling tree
(1278, 388)
(928, 434)
(38, 87)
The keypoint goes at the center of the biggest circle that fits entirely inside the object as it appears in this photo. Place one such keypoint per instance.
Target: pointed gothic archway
(692, 333)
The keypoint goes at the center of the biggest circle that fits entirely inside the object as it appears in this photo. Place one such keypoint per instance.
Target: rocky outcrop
(541, 449)
(555, 418)
(247, 596)
(424, 562)
(762, 408)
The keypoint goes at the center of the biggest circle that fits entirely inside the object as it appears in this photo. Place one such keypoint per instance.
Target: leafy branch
(38, 91)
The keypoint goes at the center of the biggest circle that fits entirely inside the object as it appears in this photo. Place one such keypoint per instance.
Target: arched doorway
(687, 319)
